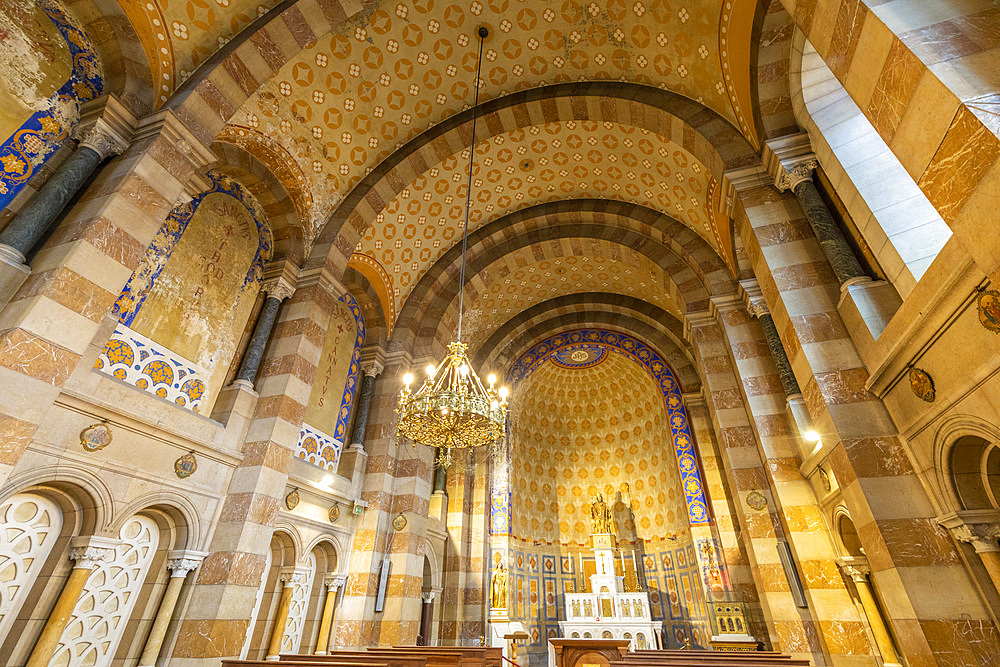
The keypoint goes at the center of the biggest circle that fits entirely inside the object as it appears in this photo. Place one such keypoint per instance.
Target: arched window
(101, 614)
(31, 525)
(899, 224)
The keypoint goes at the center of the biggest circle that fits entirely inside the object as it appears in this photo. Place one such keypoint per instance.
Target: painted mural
(321, 439)
(192, 294)
(45, 50)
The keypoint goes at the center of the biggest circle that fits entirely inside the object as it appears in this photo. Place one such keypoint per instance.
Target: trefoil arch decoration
(22, 153)
(660, 371)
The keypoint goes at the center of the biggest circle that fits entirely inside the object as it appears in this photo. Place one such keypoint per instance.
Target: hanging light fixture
(453, 409)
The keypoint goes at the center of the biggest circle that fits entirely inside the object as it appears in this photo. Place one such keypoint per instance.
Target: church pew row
(325, 663)
(736, 654)
(472, 656)
(361, 658)
(710, 659)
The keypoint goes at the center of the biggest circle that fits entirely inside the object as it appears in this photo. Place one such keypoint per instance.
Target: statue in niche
(600, 516)
(498, 587)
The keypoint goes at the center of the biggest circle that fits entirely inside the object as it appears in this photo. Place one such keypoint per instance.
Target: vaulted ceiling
(361, 112)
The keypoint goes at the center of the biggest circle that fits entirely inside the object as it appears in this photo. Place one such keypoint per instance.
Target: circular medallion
(399, 523)
(582, 355)
(186, 465)
(95, 437)
(922, 385)
(756, 500)
(292, 500)
(988, 305)
(334, 513)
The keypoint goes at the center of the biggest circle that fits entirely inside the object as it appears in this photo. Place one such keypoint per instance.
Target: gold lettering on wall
(331, 373)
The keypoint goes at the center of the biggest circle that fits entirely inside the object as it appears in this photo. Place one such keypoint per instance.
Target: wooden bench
(393, 658)
(710, 659)
(318, 663)
(470, 656)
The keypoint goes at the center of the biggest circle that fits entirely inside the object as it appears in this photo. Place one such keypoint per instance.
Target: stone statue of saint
(498, 588)
(600, 516)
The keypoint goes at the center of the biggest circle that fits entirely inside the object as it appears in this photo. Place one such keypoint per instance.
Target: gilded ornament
(600, 516)
(922, 385)
(988, 304)
(186, 465)
(498, 587)
(334, 513)
(824, 479)
(756, 500)
(292, 500)
(96, 437)
(399, 523)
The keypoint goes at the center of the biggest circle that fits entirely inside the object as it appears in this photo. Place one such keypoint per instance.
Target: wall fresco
(55, 67)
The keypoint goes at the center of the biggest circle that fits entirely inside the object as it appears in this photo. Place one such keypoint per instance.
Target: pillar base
(13, 272)
(272, 658)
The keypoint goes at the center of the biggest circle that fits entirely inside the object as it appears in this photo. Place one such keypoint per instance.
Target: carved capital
(372, 368)
(293, 576)
(983, 537)
(183, 561)
(858, 572)
(279, 289)
(103, 139)
(788, 179)
(334, 581)
(90, 550)
(428, 596)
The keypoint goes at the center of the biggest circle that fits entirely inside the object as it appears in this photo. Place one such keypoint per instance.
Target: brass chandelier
(453, 409)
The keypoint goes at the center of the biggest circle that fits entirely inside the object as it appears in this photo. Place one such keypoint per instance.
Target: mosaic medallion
(96, 437)
(756, 500)
(988, 305)
(922, 385)
(580, 356)
(292, 500)
(186, 465)
(399, 523)
(334, 513)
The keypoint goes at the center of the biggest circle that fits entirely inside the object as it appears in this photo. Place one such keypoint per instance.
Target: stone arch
(77, 490)
(845, 533)
(699, 130)
(970, 434)
(774, 28)
(370, 302)
(286, 205)
(174, 512)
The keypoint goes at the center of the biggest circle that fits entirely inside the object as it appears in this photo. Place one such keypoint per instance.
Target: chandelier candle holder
(452, 409)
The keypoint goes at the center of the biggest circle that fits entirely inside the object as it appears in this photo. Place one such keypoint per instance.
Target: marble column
(34, 219)
(798, 179)
(858, 572)
(85, 553)
(333, 582)
(289, 578)
(371, 370)
(427, 615)
(179, 563)
(277, 292)
(440, 475)
(758, 308)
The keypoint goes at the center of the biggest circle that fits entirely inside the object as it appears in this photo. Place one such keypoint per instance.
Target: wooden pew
(471, 656)
(361, 658)
(324, 663)
(710, 659)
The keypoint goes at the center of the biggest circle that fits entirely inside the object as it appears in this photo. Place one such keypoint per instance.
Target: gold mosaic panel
(554, 161)
(577, 432)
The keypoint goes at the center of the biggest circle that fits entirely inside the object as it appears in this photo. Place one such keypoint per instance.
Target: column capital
(182, 561)
(858, 571)
(291, 576)
(88, 551)
(106, 126)
(753, 298)
(718, 305)
(789, 160)
(428, 596)
(166, 125)
(372, 360)
(334, 581)
(279, 289)
(980, 528)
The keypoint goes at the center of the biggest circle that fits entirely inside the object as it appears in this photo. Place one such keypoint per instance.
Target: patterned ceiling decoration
(179, 35)
(577, 431)
(572, 266)
(665, 381)
(541, 163)
(396, 68)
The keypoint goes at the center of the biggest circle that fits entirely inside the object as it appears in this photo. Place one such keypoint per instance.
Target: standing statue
(600, 516)
(498, 587)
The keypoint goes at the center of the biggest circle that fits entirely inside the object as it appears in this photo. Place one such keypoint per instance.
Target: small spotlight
(431, 370)
(503, 392)
(811, 436)
(408, 379)
(491, 379)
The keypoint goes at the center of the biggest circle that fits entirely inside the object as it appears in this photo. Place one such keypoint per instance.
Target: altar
(608, 610)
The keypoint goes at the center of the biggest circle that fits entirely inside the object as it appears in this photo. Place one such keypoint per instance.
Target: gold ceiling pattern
(580, 431)
(528, 166)
(397, 68)
(578, 266)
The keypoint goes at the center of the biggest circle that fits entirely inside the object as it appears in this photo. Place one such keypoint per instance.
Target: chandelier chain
(468, 191)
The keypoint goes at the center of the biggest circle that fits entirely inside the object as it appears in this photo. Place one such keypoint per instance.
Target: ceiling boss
(453, 409)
